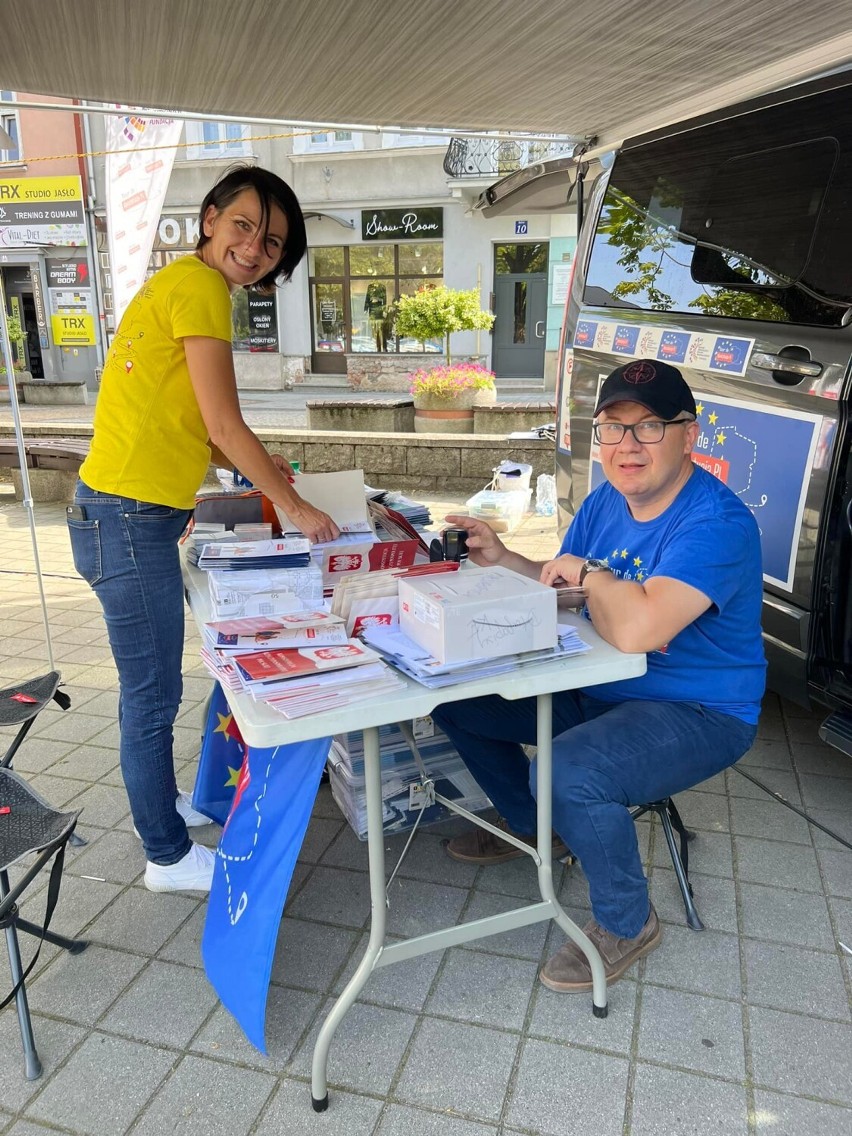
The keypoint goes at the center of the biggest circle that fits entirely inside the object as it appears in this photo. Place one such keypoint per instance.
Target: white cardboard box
(478, 613)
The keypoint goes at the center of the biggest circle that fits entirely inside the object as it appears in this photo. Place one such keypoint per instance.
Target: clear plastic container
(545, 495)
(503, 511)
(511, 476)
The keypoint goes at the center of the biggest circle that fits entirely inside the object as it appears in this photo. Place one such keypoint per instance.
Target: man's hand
(564, 569)
(314, 523)
(484, 546)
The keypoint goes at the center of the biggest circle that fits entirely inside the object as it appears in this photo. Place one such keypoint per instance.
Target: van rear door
(724, 248)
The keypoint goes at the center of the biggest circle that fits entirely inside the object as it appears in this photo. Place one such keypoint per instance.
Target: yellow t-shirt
(150, 441)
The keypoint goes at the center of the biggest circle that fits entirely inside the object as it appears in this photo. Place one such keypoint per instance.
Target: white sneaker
(192, 818)
(193, 873)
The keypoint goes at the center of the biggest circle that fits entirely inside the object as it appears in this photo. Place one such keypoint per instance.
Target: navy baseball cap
(656, 385)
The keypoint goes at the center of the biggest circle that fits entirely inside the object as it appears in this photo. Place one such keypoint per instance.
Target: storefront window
(326, 261)
(520, 258)
(329, 321)
(353, 289)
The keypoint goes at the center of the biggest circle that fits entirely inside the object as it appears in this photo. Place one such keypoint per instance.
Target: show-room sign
(402, 224)
(42, 211)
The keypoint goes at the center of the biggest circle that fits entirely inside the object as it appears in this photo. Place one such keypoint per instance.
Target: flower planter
(437, 414)
(444, 397)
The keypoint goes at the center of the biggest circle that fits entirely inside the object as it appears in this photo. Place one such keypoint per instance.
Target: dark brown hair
(271, 190)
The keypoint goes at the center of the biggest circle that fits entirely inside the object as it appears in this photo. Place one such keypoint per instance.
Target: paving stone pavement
(744, 1030)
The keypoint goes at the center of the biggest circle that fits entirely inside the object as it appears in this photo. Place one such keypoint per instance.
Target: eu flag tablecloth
(272, 795)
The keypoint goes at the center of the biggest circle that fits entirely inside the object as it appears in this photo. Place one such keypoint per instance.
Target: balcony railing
(492, 157)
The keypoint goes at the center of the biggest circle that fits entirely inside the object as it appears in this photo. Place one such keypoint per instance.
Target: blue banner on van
(693, 348)
(766, 458)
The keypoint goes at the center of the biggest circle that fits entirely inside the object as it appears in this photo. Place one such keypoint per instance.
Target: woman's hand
(564, 569)
(317, 526)
(281, 463)
(484, 546)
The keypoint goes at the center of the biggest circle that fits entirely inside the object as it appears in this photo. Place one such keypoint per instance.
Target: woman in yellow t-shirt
(167, 407)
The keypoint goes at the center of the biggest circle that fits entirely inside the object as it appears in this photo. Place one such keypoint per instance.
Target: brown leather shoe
(479, 846)
(569, 972)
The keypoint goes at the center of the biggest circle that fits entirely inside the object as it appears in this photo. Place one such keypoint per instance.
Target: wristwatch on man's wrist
(593, 566)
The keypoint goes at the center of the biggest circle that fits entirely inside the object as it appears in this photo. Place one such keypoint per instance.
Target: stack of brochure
(268, 591)
(414, 512)
(262, 633)
(416, 661)
(400, 771)
(354, 554)
(223, 639)
(303, 680)
(286, 552)
(213, 532)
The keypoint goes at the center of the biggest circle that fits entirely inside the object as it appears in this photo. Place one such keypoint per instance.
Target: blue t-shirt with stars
(707, 538)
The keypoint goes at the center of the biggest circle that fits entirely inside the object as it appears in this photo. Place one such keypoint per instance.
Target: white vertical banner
(141, 152)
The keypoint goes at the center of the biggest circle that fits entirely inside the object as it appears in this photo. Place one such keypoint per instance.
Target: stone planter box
(392, 416)
(50, 392)
(268, 370)
(506, 417)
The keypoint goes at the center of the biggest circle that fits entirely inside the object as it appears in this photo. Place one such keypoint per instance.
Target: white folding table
(262, 726)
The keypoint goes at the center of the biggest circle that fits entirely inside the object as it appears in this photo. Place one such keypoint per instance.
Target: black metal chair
(671, 821)
(29, 825)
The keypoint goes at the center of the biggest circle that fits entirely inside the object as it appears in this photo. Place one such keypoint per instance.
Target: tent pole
(27, 502)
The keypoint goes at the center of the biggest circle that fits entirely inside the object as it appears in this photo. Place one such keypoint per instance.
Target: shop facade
(46, 256)
(383, 220)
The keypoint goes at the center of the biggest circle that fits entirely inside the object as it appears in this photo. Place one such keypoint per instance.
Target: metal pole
(26, 491)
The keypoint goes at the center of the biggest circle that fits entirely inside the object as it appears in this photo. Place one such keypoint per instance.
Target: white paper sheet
(340, 494)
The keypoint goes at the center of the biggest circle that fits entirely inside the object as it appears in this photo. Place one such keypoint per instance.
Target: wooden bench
(52, 464)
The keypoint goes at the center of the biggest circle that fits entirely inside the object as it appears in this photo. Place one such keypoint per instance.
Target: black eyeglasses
(646, 433)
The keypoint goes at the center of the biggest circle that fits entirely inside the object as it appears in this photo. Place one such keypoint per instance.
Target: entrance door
(520, 309)
(20, 303)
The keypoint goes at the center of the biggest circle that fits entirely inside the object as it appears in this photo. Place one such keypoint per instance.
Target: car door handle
(803, 367)
(539, 329)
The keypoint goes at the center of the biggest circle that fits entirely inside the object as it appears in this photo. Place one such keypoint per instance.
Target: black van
(724, 246)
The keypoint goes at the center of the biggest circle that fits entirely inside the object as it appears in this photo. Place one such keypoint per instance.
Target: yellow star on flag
(624, 554)
(233, 777)
(699, 408)
(224, 724)
(615, 552)
(640, 576)
(720, 437)
(637, 561)
(712, 418)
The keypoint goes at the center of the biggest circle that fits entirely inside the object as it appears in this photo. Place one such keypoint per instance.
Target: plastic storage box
(399, 772)
(503, 511)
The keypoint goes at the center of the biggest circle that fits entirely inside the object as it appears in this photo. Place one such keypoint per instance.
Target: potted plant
(444, 397)
(436, 312)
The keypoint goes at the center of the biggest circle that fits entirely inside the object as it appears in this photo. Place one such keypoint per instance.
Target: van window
(747, 219)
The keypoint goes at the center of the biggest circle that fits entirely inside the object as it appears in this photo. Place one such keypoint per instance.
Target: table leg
(544, 791)
(378, 903)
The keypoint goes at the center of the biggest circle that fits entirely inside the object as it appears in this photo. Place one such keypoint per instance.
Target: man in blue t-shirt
(669, 559)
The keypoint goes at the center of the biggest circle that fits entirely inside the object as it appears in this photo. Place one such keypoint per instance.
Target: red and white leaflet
(294, 662)
(380, 612)
(258, 624)
(228, 645)
(370, 556)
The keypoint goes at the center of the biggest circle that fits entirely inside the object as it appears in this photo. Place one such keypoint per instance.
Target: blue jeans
(606, 757)
(127, 551)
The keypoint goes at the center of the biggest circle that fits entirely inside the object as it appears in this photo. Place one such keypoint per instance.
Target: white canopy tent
(582, 68)
(543, 66)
